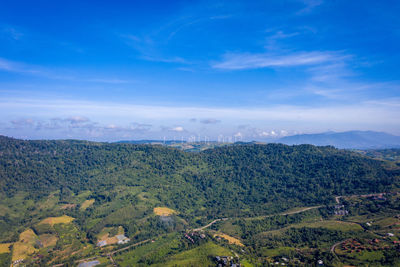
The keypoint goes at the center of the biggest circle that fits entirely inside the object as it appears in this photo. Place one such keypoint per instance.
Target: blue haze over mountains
(350, 140)
(343, 140)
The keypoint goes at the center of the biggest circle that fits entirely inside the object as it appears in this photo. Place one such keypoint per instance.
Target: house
(89, 263)
(102, 243)
(122, 239)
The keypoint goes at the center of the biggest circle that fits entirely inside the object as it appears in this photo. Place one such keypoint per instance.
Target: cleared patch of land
(48, 240)
(230, 239)
(200, 256)
(87, 203)
(68, 206)
(25, 246)
(273, 252)
(164, 211)
(328, 224)
(5, 248)
(54, 220)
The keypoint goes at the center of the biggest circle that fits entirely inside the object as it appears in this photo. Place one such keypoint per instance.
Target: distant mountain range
(346, 140)
(349, 140)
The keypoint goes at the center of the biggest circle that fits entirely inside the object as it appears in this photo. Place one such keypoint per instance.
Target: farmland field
(55, 220)
(163, 211)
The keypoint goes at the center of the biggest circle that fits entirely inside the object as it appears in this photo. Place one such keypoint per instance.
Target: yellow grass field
(87, 203)
(5, 248)
(230, 239)
(163, 211)
(48, 240)
(54, 220)
(25, 246)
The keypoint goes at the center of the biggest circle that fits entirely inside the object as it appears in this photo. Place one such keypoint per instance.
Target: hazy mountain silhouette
(351, 139)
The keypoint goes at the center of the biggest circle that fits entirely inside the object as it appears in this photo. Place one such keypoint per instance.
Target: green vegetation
(278, 200)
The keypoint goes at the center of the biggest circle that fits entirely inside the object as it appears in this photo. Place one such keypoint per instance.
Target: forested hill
(248, 177)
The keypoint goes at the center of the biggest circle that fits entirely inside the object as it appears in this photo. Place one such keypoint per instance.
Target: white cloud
(12, 66)
(376, 115)
(239, 61)
(39, 71)
(177, 129)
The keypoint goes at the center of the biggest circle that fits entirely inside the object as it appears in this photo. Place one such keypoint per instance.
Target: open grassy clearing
(387, 222)
(163, 211)
(328, 224)
(48, 240)
(87, 203)
(25, 246)
(83, 195)
(229, 228)
(151, 252)
(203, 255)
(55, 220)
(68, 206)
(273, 252)
(5, 248)
(50, 202)
(229, 238)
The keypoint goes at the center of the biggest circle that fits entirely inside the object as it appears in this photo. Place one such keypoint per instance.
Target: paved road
(109, 255)
(298, 211)
(211, 223)
(366, 195)
(266, 216)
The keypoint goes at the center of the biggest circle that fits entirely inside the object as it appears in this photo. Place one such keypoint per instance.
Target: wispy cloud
(43, 72)
(282, 35)
(148, 49)
(13, 66)
(309, 5)
(11, 32)
(111, 81)
(240, 61)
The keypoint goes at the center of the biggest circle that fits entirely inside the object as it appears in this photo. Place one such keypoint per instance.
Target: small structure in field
(89, 263)
(122, 239)
(102, 243)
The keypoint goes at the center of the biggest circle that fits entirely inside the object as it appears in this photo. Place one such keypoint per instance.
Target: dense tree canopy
(246, 176)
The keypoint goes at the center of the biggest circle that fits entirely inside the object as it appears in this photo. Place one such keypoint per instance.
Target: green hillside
(108, 187)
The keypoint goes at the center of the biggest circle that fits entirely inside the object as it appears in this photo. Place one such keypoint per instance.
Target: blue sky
(238, 70)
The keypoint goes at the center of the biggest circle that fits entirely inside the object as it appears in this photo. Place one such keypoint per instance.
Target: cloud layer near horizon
(103, 120)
